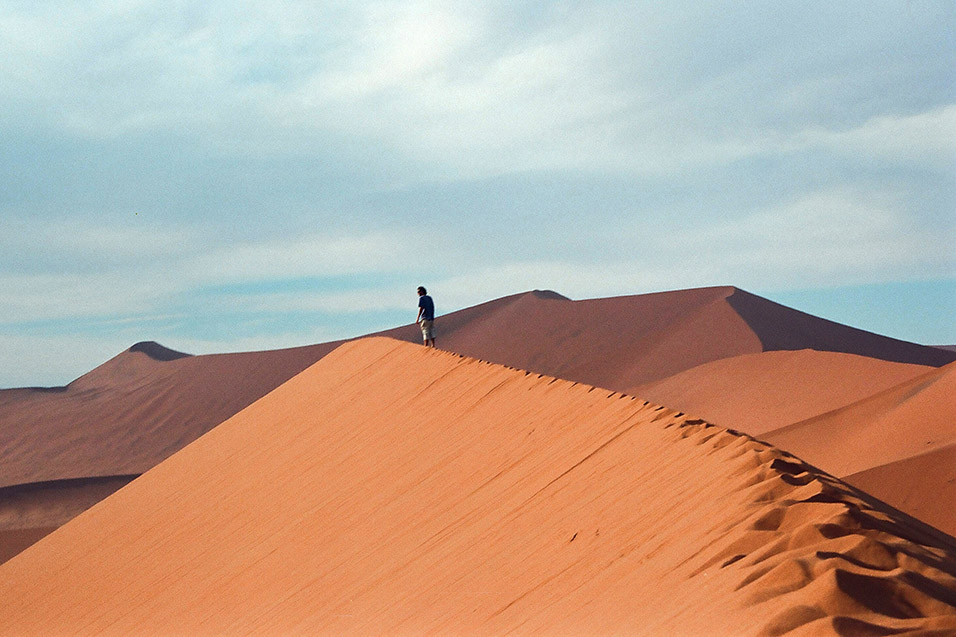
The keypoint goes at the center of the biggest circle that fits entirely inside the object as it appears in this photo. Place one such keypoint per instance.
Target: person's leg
(427, 336)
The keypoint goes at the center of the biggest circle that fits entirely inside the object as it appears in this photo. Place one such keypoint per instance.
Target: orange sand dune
(905, 421)
(133, 411)
(761, 392)
(121, 418)
(923, 485)
(138, 408)
(146, 403)
(391, 489)
(887, 443)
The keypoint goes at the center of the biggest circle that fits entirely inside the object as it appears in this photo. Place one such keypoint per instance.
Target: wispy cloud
(104, 271)
(928, 137)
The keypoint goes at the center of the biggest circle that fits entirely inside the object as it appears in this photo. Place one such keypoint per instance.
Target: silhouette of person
(426, 317)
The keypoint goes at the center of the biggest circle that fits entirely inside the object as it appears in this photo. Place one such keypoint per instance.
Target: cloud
(832, 237)
(452, 90)
(925, 137)
(317, 255)
(89, 270)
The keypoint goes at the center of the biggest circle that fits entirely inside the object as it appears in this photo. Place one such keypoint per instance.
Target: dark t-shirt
(428, 307)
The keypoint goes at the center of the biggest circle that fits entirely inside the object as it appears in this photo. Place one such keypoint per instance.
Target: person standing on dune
(426, 317)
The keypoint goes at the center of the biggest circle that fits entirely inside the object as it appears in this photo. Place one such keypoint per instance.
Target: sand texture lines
(391, 489)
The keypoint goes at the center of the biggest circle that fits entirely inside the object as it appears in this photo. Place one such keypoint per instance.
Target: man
(426, 317)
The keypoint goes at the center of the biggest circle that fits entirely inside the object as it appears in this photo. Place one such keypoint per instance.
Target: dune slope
(390, 489)
(627, 341)
(923, 485)
(898, 444)
(133, 411)
(761, 392)
(146, 403)
(907, 420)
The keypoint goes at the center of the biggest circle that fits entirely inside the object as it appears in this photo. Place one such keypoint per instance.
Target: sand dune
(28, 512)
(390, 489)
(148, 402)
(907, 420)
(924, 486)
(898, 444)
(628, 341)
(119, 419)
(133, 411)
(138, 408)
(761, 392)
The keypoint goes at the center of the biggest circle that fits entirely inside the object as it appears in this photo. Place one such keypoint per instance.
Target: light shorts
(428, 330)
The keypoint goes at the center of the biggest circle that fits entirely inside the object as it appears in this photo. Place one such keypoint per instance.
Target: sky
(228, 176)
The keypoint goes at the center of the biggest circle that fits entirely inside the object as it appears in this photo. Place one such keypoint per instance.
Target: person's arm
(418, 319)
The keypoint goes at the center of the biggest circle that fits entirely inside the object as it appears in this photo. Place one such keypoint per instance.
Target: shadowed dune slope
(391, 489)
(761, 392)
(30, 511)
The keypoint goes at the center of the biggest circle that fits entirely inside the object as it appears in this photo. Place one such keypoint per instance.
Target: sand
(28, 512)
(758, 393)
(390, 489)
(133, 411)
(897, 444)
(718, 353)
(907, 420)
(923, 485)
(628, 341)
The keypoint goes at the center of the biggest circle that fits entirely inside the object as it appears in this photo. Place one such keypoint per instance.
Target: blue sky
(227, 176)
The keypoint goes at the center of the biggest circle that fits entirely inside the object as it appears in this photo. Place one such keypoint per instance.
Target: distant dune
(912, 418)
(761, 392)
(58, 446)
(624, 342)
(719, 353)
(391, 489)
(898, 444)
(133, 411)
(29, 512)
(924, 485)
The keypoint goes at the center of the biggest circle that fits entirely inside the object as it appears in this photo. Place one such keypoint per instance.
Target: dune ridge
(627, 341)
(413, 491)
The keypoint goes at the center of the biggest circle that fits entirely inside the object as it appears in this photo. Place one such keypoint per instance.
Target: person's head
(421, 291)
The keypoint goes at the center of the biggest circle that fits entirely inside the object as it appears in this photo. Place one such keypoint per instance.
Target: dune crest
(393, 489)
